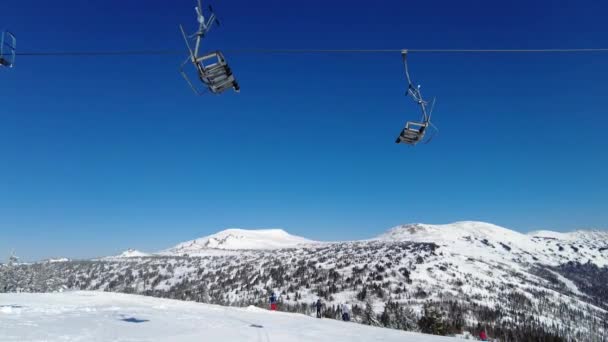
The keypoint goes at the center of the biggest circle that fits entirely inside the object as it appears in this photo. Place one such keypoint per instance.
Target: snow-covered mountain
(489, 241)
(240, 239)
(535, 284)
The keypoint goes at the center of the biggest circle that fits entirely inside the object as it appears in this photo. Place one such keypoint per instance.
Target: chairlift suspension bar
(202, 28)
(186, 41)
(407, 73)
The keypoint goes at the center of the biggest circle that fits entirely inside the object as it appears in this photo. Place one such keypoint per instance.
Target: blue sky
(98, 154)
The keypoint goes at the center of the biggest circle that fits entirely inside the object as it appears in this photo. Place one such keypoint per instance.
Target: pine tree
(369, 316)
(431, 321)
(397, 316)
(13, 259)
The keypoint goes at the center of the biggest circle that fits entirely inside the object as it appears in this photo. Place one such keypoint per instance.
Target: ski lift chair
(413, 133)
(8, 46)
(215, 73)
(212, 68)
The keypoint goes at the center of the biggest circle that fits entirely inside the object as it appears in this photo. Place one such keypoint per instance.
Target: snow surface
(101, 316)
(240, 239)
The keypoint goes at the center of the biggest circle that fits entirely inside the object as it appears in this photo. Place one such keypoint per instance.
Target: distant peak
(132, 253)
(422, 232)
(241, 239)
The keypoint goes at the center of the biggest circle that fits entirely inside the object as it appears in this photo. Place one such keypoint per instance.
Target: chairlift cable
(302, 51)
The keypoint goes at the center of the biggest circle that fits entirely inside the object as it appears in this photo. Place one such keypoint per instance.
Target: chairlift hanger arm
(407, 73)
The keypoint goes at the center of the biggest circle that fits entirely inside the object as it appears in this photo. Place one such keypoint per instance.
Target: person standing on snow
(273, 302)
(345, 312)
(319, 305)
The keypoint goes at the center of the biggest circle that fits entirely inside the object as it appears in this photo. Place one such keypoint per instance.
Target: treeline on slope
(444, 318)
(589, 278)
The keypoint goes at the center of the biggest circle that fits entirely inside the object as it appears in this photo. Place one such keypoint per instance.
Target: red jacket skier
(483, 336)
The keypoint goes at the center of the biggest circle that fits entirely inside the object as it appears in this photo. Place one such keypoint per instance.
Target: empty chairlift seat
(215, 73)
(413, 133)
(8, 47)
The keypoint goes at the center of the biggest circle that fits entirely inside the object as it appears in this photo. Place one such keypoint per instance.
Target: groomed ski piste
(101, 316)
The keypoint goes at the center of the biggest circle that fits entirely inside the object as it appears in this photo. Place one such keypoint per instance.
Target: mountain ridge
(470, 238)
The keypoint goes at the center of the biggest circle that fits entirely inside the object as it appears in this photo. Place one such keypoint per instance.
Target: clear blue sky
(98, 154)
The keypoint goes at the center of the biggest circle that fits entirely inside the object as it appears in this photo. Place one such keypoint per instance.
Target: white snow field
(101, 316)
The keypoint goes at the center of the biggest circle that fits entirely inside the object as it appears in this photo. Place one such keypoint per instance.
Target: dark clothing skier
(345, 312)
(319, 305)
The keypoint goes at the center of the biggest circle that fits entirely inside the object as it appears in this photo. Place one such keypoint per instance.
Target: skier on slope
(319, 305)
(345, 312)
(273, 302)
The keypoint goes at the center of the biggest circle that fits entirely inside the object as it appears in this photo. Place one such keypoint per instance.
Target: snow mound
(51, 261)
(241, 239)
(131, 253)
(104, 316)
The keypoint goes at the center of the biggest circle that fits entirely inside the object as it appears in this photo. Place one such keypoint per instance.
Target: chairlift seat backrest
(8, 47)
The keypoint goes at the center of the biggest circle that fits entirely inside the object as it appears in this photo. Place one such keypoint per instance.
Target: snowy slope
(489, 241)
(99, 316)
(240, 239)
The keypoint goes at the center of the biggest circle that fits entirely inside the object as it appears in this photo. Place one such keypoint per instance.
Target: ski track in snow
(100, 316)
